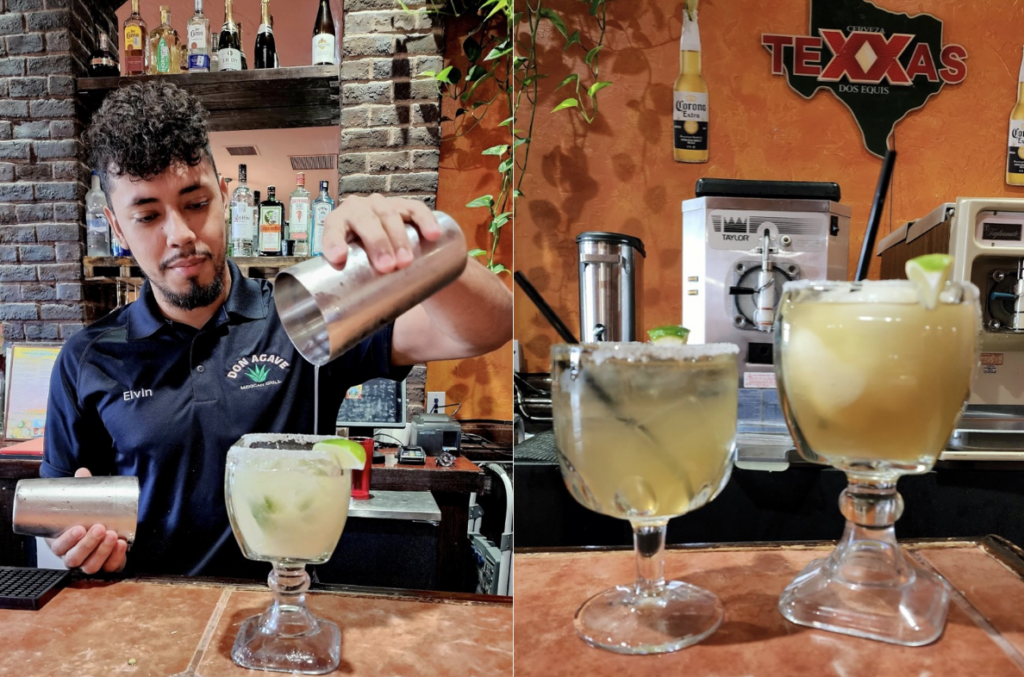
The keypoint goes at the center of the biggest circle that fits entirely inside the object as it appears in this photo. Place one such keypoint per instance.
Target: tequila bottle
(242, 226)
(163, 46)
(199, 41)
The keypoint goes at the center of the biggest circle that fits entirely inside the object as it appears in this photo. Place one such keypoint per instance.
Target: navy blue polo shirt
(138, 394)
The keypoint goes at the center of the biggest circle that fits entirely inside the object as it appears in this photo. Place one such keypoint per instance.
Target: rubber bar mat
(27, 588)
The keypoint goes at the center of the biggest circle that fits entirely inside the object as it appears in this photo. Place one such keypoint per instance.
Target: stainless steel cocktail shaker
(49, 507)
(326, 311)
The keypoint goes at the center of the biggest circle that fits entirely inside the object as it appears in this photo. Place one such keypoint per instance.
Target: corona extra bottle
(690, 94)
(1015, 147)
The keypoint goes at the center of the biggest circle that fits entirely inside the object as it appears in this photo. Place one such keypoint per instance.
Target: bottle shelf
(125, 267)
(272, 98)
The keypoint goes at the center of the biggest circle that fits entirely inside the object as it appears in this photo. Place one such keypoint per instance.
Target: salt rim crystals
(866, 291)
(635, 351)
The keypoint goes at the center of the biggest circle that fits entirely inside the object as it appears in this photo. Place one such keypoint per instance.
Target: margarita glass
(287, 505)
(644, 433)
(872, 382)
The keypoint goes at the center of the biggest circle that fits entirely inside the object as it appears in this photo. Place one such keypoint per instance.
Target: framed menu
(27, 388)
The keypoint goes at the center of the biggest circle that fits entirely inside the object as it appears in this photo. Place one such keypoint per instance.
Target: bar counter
(984, 633)
(186, 627)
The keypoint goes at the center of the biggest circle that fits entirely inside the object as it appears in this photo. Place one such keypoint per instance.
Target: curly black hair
(144, 128)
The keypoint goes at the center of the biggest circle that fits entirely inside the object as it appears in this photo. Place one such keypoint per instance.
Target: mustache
(164, 265)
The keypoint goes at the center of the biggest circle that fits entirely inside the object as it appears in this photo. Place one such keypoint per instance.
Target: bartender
(146, 391)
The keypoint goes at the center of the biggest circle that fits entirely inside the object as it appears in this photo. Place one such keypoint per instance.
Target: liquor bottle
(163, 46)
(198, 31)
(242, 225)
(136, 43)
(322, 206)
(255, 222)
(1015, 154)
(241, 43)
(690, 95)
(271, 224)
(103, 62)
(229, 48)
(298, 216)
(277, 61)
(266, 50)
(214, 59)
(97, 236)
(323, 35)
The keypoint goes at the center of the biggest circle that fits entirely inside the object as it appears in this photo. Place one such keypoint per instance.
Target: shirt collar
(244, 299)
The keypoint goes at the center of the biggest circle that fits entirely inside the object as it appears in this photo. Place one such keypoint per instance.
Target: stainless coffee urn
(611, 277)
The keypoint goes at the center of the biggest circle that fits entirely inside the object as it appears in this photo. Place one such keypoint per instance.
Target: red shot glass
(361, 478)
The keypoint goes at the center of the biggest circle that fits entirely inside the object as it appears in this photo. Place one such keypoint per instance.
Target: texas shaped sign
(881, 65)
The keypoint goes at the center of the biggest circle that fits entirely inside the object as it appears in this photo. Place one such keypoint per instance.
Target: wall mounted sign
(879, 64)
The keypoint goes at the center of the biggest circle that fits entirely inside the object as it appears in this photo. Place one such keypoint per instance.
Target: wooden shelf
(124, 267)
(272, 98)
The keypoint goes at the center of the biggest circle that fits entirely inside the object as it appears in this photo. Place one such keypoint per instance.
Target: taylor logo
(880, 64)
(256, 369)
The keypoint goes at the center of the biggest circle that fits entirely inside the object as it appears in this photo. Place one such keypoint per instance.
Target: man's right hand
(91, 550)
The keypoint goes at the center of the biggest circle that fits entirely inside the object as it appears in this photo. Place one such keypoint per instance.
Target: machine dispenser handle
(742, 291)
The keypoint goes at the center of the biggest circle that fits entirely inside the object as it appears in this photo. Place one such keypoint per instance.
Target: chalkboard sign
(379, 403)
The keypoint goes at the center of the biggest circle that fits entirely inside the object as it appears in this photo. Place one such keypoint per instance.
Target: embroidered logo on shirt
(136, 394)
(256, 369)
(258, 374)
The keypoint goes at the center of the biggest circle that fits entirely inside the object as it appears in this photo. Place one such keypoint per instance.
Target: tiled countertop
(984, 634)
(93, 629)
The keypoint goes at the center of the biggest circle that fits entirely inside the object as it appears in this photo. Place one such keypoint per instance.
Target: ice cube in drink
(876, 376)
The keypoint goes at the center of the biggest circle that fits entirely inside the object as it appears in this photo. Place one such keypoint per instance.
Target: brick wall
(44, 46)
(390, 123)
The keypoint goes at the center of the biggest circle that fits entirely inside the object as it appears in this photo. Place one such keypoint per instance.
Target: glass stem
(649, 543)
(868, 552)
(288, 615)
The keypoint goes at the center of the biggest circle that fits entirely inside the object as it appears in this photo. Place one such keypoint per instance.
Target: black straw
(544, 308)
(876, 215)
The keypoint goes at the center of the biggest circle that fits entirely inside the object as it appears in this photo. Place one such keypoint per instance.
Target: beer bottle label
(1015, 156)
(690, 119)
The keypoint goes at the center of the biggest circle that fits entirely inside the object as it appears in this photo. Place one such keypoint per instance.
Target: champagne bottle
(266, 49)
(229, 51)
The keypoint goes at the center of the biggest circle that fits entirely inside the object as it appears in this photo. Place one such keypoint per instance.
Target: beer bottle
(1015, 154)
(690, 94)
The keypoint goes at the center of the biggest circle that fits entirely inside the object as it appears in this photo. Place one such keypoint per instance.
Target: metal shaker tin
(326, 311)
(49, 507)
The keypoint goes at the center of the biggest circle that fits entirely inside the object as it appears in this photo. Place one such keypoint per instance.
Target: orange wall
(482, 384)
(618, 174)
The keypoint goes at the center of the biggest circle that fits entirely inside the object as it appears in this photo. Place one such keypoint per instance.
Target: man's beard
(197, 295)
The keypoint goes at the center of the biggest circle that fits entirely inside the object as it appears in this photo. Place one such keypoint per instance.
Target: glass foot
(315, 652)
(678, 615)
(910, 611)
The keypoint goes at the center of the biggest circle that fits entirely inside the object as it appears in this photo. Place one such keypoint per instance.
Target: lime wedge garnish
(669, 334)
(929, 274)
(349, 454)
(263, 511)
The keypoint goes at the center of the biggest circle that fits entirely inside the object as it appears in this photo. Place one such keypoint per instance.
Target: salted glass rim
(872, 291)
(635, 351)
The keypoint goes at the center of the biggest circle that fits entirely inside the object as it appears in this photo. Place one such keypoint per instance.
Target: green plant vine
(489, 55)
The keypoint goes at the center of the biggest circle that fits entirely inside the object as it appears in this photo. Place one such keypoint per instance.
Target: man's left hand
(378, 223)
